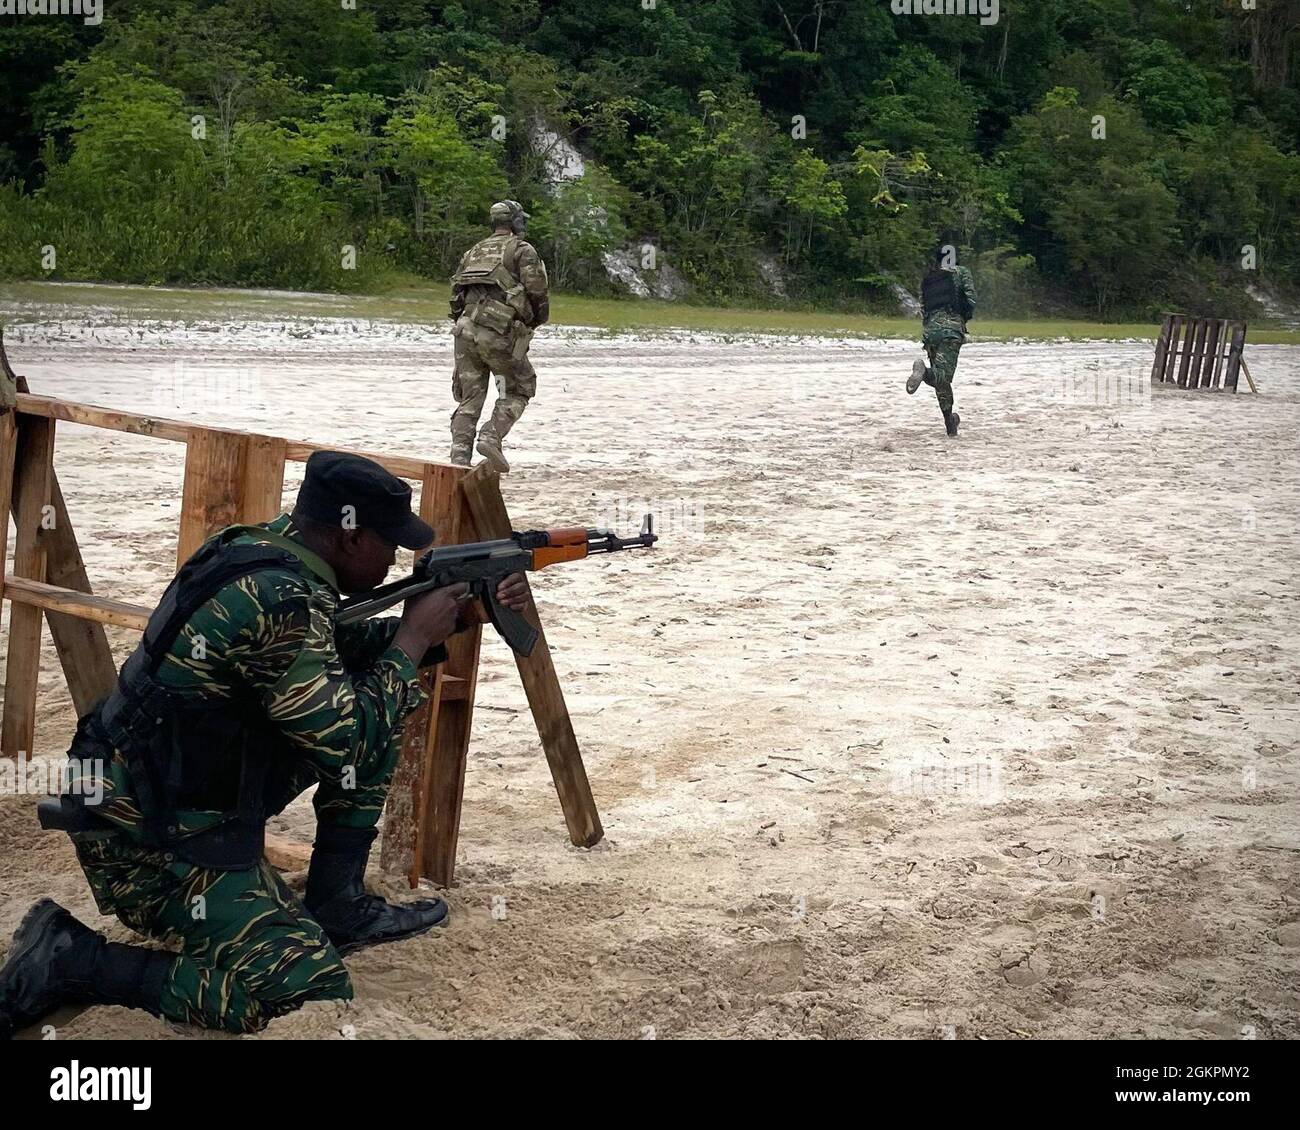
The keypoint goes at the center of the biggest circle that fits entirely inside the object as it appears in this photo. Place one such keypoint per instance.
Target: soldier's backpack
(939, 292)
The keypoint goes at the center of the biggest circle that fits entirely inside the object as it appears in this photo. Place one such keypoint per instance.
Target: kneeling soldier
(243, 694)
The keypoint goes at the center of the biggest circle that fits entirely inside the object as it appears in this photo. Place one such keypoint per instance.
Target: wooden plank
(179, 431)
(1236, 345)
(263, 479)
(1177, 321)
(1222, 353)
(1189, 331)
(1162, 349)
(34, 469)
(214, 487)
(1211, 352)
(541, 684)
(78, 605)
(1198, 353)
(109, 418)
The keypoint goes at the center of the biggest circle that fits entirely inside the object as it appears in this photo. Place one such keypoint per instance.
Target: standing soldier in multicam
(244, 693)
(948, 301)
(499, 298)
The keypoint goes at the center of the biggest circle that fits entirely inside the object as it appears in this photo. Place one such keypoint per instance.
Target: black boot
(950, 421)
(54, 960)
(338, 900)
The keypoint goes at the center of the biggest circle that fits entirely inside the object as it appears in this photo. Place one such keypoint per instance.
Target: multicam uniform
(944, 327)
(499, 297)
(333, 699)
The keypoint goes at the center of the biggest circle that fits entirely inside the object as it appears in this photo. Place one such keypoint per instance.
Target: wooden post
(422, 819)
(34, 468)
(213, 495)
(263, 487)
(541, 684)
(438, 830)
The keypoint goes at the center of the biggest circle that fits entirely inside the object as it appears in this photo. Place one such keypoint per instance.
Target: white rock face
(563, 161)
(1274, 307)
(773, 275)
(623, 266)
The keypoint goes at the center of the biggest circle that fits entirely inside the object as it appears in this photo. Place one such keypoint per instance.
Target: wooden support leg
(422, 819)
(81, 644)
(33, 473)
(483, 493)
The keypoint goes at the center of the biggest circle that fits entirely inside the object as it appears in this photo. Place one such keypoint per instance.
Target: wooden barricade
(232, 477)
(1194, 352)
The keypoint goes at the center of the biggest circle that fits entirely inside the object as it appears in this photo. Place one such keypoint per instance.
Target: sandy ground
(892, 735)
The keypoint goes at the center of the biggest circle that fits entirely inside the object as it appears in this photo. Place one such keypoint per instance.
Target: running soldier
(499, 298)
(948, 300)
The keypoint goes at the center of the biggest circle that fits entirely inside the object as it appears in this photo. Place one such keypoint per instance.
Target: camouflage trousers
(249, 950)
(480, 353)
(942, 347)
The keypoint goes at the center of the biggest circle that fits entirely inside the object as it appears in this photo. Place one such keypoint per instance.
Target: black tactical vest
(189, 752)
(939, 292)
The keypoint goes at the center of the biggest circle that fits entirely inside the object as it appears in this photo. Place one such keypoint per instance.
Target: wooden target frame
(1194, 352)
(238, 477)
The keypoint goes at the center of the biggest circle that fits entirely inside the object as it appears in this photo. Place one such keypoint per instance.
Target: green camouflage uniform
(339, 695)
(943, 334)
(482, 350)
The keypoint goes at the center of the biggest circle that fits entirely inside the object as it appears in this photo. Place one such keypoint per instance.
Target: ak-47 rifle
(484, 564)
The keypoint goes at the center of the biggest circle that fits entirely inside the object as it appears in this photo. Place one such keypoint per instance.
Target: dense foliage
(1107, 156)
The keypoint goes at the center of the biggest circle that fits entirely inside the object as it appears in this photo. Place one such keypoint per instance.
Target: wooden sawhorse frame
(231, 477)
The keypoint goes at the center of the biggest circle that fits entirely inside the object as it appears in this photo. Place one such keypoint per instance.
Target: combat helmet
(509, 212)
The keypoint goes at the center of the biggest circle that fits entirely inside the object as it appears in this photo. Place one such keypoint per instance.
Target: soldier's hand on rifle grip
(429, 619)
(513, 592)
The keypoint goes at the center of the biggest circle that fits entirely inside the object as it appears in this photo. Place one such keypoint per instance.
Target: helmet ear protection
(509, 212)
(518, 217)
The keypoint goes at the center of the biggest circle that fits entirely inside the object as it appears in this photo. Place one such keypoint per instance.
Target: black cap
(378, 500)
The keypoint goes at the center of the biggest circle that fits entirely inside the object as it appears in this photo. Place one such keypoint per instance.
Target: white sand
(891, 735)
